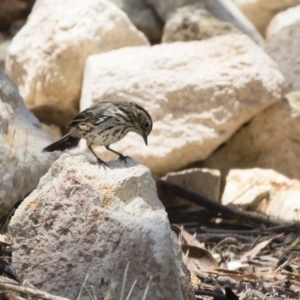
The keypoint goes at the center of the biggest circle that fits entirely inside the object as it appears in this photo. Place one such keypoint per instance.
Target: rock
(270, 140)
(202, 181)
(198, 94)
(283, 47)
(264, 191)
(83, 219)
(222, 9)
(22, 139)
(283, 19)
(143, 16)
(191, 23)
(228, 12)
(261, 12)
(47, 57)
(150, 16)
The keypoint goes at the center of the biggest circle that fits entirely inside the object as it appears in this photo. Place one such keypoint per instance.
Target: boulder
(270, 140)
(283, 19)
(265, 191)
(88, 220)
(22, 139)
(47, 57)
(222, 9)
(261, 12)
(283, 45)
(202, 181)
(150, 16)
(198, 94)
(191, 23)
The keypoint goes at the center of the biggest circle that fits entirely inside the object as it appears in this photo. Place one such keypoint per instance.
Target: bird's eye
(146, 125)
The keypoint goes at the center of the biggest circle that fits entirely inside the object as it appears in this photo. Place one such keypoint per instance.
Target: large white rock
(222, 9)
(46, 58)
(198, 93)
(84, 219)
(192, 22)
(22, 139)
(283, 45)
(261, 12)
(149, 16)
(265, 191)
(270, 140)
(205, 182)
(283, 19)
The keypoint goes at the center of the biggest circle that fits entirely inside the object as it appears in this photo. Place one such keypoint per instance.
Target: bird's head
(143, 122)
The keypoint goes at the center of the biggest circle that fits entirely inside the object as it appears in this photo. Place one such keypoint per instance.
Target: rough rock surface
(149, 16)
(283, 47)
(265, 191)
(21, 141)
(47, 57)
(198, 94)
(261, 12)
(191, 23)
(203, 181)
(270, 140)
(83, 219)
(222, 9)
(283, 19)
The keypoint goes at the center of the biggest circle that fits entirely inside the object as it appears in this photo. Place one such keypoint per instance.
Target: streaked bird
(103, 124)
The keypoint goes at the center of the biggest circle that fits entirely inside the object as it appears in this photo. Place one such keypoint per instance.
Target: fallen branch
(28, 292)
(215, 206)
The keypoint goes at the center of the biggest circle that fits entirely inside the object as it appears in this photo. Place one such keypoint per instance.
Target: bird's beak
(145, 139)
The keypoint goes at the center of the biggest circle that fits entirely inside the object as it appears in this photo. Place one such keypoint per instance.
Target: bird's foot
(123, 158)
(101, 163)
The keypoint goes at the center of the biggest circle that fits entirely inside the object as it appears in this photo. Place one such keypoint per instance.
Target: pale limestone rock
(271, 140)
(265, 191)
(22, 139)
(149, 16)
(261, 12)
(85, 219)
(283, 19)
(47, 57)
(222, 9)
(191, 23)
(283, 46)
(198, 94)
(203, 181)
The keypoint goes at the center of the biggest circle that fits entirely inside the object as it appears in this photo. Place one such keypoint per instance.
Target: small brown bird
(103, 124)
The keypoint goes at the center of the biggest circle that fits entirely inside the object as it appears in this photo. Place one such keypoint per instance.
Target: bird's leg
(121, 156)
(100, 161)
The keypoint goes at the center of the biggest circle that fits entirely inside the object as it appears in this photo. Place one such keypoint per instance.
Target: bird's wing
(90, 114)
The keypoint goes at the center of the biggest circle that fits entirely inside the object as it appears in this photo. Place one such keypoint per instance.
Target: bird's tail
(66, 142)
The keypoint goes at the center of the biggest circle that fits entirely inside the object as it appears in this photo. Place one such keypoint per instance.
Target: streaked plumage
(103, 124)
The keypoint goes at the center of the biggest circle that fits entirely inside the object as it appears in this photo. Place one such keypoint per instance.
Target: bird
(103, 124)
